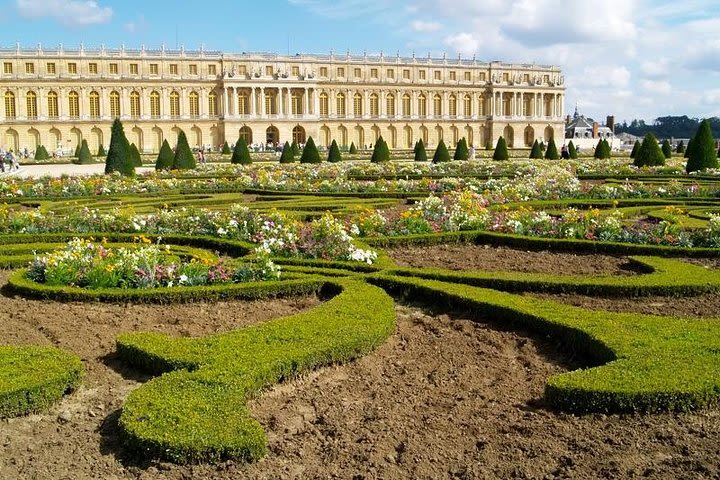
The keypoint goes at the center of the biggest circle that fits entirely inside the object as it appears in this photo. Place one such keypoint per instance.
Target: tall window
(467, 111)
(406, 105)
(135, 104)
(341, 104)
(296, 103)
(194, 104)
(30, 68)
(94, 104)
(114, 69)
(52, 100)
(10, 105)
(134, 69)
(357, 105)
(154, 69)
(72, 68)
(193, 69)
(31, 104)
(93, 68)
(174, 104)
(7, 68)
(437, 105)
(155, 104)
(323, 104)
(452, 106)
(374, 105)
(114, 104)
(270, 105)
(390, 104)
(422, 105)
(173, 69)
(73, 104)
(212, 103)
(243, 104)
(50, 67)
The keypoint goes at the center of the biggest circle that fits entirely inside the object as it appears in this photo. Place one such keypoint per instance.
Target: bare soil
(444, 397)
(501, 259)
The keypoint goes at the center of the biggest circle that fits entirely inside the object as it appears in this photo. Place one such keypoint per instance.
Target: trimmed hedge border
(199, 413)
(645, 363)
(34, 378)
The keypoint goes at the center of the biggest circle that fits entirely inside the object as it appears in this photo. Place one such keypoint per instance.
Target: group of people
(10, 159)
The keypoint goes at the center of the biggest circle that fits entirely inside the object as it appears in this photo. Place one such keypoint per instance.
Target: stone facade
(57, 98)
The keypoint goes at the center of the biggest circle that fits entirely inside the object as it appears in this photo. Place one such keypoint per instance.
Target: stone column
(226, 101)
(306, 102)
(62, 100)
(262, 102)
(316, 103)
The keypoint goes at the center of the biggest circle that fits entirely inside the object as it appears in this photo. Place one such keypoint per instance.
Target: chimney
(596, 127)
(611, 123)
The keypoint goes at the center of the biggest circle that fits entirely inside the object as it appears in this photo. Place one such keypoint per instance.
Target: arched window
(212, 104)
(94, 104)
(323, 104)
(452, 106)
(390, 105)
(357, 105)
(194, 104)
(406, 105)
(10, 105)
(437, 106)
(374, 105)
(31, 104)
(155, 104)
(422, 105)
(114, 104)
(341, 104)
(74, 104)
(52, 100)
(174, 104)
(135, 104)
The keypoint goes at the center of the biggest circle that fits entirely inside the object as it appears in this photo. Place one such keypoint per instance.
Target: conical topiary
(184, 158)
(381, 153)
(535, 152)
(461, 150)
(667, 149)
(226, 149)
(135, 155)
(84, 156)
(118, 157)
(501, 150)
(441, 153)
(334, 155)
(310, 153)
(420, 152)
(689, 148)
(295, 149)
(635, 149)
(101, 151)
(680, 147)
(165, 157)
(649, 153)
(488, 145)
(287, 154)
(607, 151)
(241, 154)
(353, 149)
(703, 154)
(41, 153)
(599, 150)
(572, 151)
(552, 152)
(77, 151)
(543, 147)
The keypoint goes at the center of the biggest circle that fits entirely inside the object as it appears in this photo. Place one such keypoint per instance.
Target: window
(296, 71)
(31, 105)
(422, 74)
(30, 68)
(373, 73)
(526, 78)
(174, 104)
(7, 68)
(296, 103)
(341, 72)
(212, 103)
(340, 104)
(438, 75)
(194, 104)
(357, 105)
(437, 105)
(406, 74)
(467, 110)
(482, 76)
(452, 106)
(135, 104)
(270, 105)
(406, 105)
(113, 69)
(212, 70)
(73, 104)
(468, 76)
(242, 70)
(269, 71)
(546, 79)
(323, 72)
(323, 104)
(154, 69)
(154, 104)
(243, 104)
(114, 104)
(192, 69)
(72, 68)
(173, 69)
(50, 67)
(52, 100)
(453, 76)
(391, 73)
(10, 105)
(422, 105)
(374, 105)
(134, 69)
(94, 104)
(390, 105)
(92, 68)
(358, 73)
(506, 77)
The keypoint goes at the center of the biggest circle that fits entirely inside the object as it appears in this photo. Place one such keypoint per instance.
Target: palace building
(59, 97)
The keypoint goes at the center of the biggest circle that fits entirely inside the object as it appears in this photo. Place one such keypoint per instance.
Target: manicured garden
(224, 235)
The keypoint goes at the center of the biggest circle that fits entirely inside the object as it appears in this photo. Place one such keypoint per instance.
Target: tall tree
(184, 158)
(241, 154)
(353, 149)
(441, 153)
(381, 152)
(420, 152)
(635, 149)
(649, 153)
(535, 152)
(287, 154)
(310, 152)
(135, 155)
(461, 150)
(666, 149)
(703, 154)
(165, 157)
(101, 151)
(226, 149)
(688, 149)
(84, 156)
(295, 149)
(334, 155)
(118, 157)
(680, 147)
(552, 152)
(572, 151)
(501, 150)
(41, 153)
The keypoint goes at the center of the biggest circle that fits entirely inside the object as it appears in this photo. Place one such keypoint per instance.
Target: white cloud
(653, 86)
(606, 76)
(344, 8)
(420, 26)
(74, 13)
(463, 43)
(136, 25)
(659, 68)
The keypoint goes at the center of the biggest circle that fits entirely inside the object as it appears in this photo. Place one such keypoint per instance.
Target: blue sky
(630, 58)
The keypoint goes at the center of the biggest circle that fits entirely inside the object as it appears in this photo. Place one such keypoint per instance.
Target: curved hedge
(198, 411)
(33, 378)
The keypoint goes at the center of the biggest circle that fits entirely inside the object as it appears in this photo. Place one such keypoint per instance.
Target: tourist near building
(57, 97)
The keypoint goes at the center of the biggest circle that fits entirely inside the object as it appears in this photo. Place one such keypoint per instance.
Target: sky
(629, 58)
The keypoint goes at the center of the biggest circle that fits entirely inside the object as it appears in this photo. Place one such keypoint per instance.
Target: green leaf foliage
(135, 155)
(101, 151)
(602, 150)
(226, 148)
(420, 152)
(535, 152)
(334, 155)
(241, 154)
(552, 152)
(635, 149)
(572, 151)
(703, 154)
(488, 146)
(649, 153)
(287, 154)
(501, 150)
(310, 153)
(666, 149)
(461, 150)
(381, 152)
(165, 158)
(77, 151)
(41, 153)
(295, 149)
(689, 148)
(84, 156)
(441, 153)
(353, 149)
(118, 157)
(184, 158)
(680, 147)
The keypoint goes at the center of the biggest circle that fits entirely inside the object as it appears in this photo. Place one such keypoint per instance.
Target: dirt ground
(447, 396)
